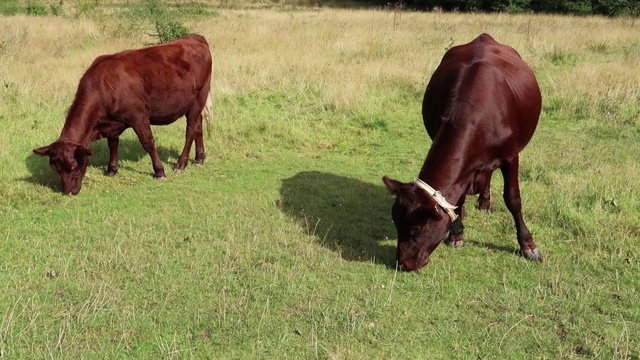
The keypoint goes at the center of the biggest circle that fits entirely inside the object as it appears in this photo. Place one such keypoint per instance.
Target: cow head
(420, 222)
(70, 161)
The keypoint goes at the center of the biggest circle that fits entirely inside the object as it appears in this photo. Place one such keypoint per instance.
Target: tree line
(568, 7)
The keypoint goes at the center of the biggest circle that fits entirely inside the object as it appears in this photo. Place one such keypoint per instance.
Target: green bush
(168, 29)
(36, 9)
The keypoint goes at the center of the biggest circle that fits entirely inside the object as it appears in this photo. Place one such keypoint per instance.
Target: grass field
(281, 245)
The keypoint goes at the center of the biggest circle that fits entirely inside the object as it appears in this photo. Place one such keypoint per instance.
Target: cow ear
(42, 151)
(424, 213)
(436, 213)
(84, 151)
(393, 185)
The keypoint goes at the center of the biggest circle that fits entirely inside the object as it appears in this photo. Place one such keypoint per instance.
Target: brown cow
(155, 85)
(481, 108)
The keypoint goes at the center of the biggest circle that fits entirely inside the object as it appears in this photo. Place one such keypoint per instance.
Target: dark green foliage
(575, 7)
(163, 14)
(578, 7)
(36, 9)
(616, 7)
(167, 27)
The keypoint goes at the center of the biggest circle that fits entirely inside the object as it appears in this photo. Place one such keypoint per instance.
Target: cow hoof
(454, 243)
(534, 254)
(177, 170)
(111, 173)
(199, 161)
(484, 206)
(160, 177)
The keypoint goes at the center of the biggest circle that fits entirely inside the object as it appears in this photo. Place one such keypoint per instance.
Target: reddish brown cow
(155, 85)
(481, 108)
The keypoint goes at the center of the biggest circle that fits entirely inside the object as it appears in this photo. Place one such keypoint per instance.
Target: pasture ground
(281, 245)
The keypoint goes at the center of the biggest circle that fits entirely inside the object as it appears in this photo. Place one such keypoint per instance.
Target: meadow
(281, 245)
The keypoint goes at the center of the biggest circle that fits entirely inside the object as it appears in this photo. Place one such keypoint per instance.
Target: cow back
(483, 85)
(161, 81)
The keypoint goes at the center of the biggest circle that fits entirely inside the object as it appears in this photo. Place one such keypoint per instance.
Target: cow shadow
(512, 250)
(128, 150)
(345, 215)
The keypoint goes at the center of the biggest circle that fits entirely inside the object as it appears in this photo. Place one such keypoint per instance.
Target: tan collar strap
(437, 196)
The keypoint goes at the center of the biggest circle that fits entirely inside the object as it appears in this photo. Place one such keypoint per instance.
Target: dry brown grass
(345, 57)
(344, 52)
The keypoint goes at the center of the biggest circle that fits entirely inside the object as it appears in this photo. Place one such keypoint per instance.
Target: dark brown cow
(155, 85)
(481, 108)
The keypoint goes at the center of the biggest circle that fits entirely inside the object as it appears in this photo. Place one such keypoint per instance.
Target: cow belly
(166, 119)
(166, 111)
(480, 181)
(167, 114)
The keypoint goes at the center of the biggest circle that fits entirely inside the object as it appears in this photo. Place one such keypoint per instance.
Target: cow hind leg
(206, 115)
(193, 133)
(512, 199)
(484, 199)
(199, 144)
(483, 185)
(142, 128)
(112, 168)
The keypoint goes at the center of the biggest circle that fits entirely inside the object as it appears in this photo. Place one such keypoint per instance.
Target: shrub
(36, 9)
(167, 27)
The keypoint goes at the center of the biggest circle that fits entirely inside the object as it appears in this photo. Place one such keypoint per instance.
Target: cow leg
(194, 133)
(483, 185)
(514, 204)
(484, 199)
(205, 99)
(199, 144)
(143, 130)
(457, 240)
(112, 169)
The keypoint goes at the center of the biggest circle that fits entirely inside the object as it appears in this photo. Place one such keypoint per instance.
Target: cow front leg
(112, 168)
(143, 130)
(514, 204)
(457, 240)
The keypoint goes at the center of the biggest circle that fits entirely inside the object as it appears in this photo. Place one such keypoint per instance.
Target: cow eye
(54, 165)
(414, 230)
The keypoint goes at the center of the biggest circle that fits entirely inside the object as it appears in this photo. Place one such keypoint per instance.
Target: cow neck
(446, 169)
(78, 127)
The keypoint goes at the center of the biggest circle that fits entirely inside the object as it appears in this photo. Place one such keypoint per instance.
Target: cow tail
(207, 114)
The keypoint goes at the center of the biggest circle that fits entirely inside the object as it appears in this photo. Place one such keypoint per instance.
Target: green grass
(281, 245)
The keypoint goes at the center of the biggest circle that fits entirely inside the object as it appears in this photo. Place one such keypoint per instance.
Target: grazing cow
(154, 85)
(481, 108)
